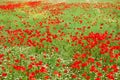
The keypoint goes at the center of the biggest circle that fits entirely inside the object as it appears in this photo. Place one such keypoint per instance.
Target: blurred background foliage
(57, 1)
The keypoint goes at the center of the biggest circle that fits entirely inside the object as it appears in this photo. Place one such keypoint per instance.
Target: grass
(60, 42)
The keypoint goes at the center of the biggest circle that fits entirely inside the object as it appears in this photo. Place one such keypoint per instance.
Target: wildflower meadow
(40, 40)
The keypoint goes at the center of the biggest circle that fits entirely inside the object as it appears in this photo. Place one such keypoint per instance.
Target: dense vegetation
(63, 41)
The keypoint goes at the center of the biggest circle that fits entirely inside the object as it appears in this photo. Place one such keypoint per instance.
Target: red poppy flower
(76, 55)
(76, 65)
(97, 78)
(91, 60)
(4, 74)
(83, 55)
(56, 49)
(43, 70)
(74, 76)
(84, 64)
(57, 73)
(19, 68)
(105, 68)
(1, 56)
(32, 75)
(93, 69)
(1, 27)
(22, 56)
(99, 74)
(98, 64)
(47, 77)
(38, 63)
(84, 74)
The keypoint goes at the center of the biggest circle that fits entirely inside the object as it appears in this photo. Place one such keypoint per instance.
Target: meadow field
(60, 41)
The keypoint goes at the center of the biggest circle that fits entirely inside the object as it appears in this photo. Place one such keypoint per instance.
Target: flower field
(62, 41)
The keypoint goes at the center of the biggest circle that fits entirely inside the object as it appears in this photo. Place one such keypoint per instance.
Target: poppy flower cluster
(63, 41)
